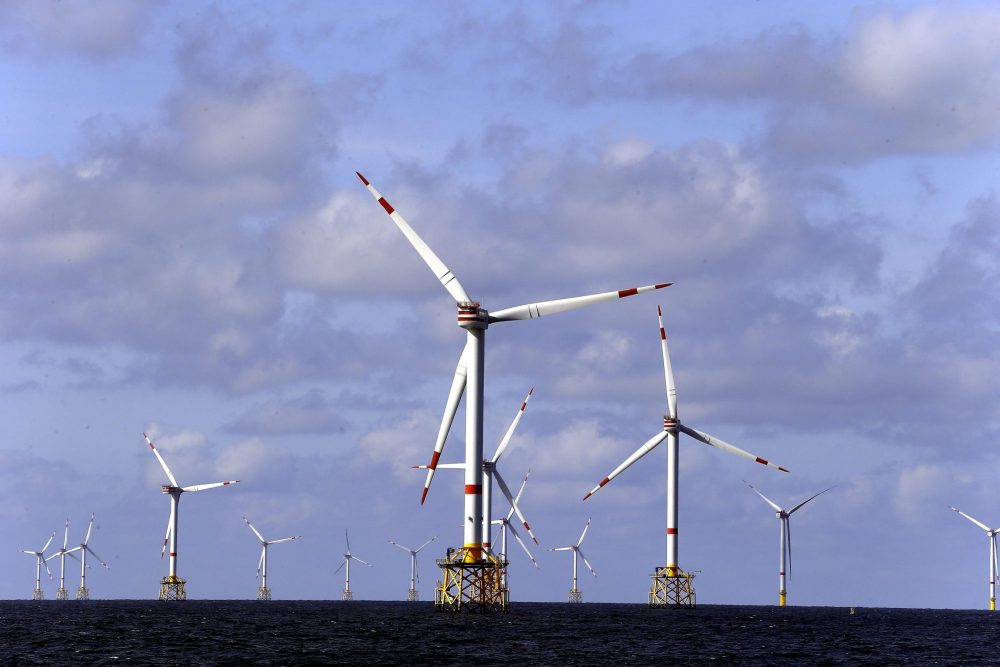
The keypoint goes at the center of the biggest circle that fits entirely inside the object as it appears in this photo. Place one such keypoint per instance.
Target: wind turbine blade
(361, 561)
(202, 487)
(450, 409)
(66, 535)
(584, 533)
(48, 542)
(86, 540)
(996, 559)
(562, 549)
(668, 372)
(978, 523)
(788, 545)
(638, 454)
(766, 499)
(47, 570)
(443, 466)
(533, 310)
(397, 544)
(523, 482)
(163, 464)
(523, 546)
(285, 539)
(260, 563)
(73, 555)
(513, 425)
(442, 272)
(55, 555)
(586, 562)
(725, 446)
(99, 559)
(510, 499)
(255, 531)
(791, 511)
(170, 523)
(341, 566)
(417, 550)
(347, 538)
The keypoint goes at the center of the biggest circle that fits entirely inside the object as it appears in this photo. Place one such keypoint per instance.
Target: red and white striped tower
(471, 370)
(671, 426)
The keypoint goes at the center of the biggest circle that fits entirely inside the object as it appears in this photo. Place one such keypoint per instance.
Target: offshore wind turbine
(785, 538)
(172, 586)
(83, 593)
(470, 569)
(38, 593)
(671, 585)
(505, 525)
(348, 595)
(413, 595)
(264, 593)
(574, 593)
(490, 473)
(61, 554)
(991, 534)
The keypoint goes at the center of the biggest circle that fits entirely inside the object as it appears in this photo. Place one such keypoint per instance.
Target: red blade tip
(423, 496)
(363, 179)
(662, 285)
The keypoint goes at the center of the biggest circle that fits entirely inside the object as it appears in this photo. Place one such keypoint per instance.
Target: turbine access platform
(672, 587)
(473, 580)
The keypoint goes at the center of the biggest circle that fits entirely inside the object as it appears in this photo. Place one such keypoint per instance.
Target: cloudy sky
(185, 250)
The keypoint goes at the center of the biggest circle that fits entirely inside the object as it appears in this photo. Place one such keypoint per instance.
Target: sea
(412, 633)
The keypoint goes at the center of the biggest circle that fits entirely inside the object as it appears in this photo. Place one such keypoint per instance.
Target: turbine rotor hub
(472, 316)
(171, 489)
(670, 424)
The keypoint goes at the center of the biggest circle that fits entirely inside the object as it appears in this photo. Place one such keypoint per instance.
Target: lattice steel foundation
(172, 588)
(263, 593)
(347, 596)
(83, 593)
(575, 596)
(38, 594)
(473, 581)
(413, 595)
(672, 588)
(62, 594)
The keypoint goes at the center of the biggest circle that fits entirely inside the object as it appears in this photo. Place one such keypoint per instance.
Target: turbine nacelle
(671, 424)
(472, 316)
(168, 489)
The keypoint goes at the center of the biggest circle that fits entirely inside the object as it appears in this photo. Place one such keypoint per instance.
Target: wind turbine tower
(172, 586)
(574, 593)
(264, 593)
(348, 595)
(991, 535)
(473, 575)
(62, 593)
(785, 539)
(413, 595)
(83, 593)
(38, 593)
(672, 586)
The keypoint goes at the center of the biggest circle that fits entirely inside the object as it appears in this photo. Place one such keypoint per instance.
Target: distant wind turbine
(348, 595)
(574, 593)
(38, 593)
(61, 554)
(413, 595)
(991, 534)
(785, 538)
(83, 593)
(264, 593)
(505, 525)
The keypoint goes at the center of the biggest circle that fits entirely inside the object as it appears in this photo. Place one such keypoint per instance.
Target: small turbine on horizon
(348, 595)
(574, 593)
(991, 534)
(785, 556)
(413, 595)
(83, 593)
(40, 560)
(62, 593)
(172, 586)
(264, 593)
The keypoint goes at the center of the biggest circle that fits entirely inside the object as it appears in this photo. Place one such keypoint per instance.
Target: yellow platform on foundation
(672, 588)
(472, 580)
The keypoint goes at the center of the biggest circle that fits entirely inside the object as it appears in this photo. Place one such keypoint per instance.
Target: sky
(185, 250)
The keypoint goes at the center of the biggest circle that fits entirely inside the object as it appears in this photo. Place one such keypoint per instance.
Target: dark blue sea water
(283, 633)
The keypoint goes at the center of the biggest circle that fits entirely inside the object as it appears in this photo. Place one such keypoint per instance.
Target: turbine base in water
(347, 596)
(83, 593)
(413, 595)
(473, 580)
(575, 596)
(172, 588)
(62, 594)
(672, 588)
(263, 593)
(38, 594)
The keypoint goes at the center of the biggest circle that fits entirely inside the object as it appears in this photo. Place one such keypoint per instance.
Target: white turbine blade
(364, 562)
(47, 570)
(285, 539)
(347, 538)
(513, 425)
(30, 553)
(586, 562)
(792, 511)
(443, 466)
(766, 499)
(417, 550)
(725, 446)
(584, 533)
(260, 563)
(86, 540)
(668, 372)
(55, 555)
(533, 310)
(72, 555)
(517, 537)
(255, 531)
(442, 272)
(48, 542)
(202, 487)
(99, 559)
(996, 557)
(510, 499)
(170, 523)
(638, 454)
(450, 409)
(400, 546)
(788, 545)
(563, 549)
(66, 535)
(978, 523)
(341, 566)
(163, 464)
